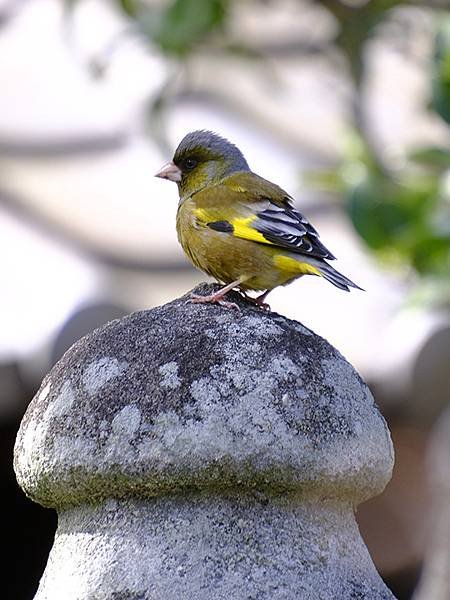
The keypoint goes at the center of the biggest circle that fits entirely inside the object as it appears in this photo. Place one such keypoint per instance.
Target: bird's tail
(334, 277)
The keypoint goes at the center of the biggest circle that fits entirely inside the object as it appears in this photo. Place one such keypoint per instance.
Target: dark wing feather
(274, 216)
(284, 226)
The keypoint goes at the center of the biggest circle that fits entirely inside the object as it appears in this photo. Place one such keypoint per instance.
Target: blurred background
(344, 103)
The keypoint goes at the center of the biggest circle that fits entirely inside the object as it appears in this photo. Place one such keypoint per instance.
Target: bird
(239, 228)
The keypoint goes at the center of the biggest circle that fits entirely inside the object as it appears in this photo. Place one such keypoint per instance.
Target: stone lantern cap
(189, 397)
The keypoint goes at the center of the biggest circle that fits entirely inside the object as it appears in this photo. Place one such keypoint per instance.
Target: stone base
(211, 547)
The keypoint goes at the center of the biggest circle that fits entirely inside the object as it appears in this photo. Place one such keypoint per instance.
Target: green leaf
(441, 70)
(399, 219)
(404, 222)
(129, 7)
(375, 217)
(431, 255)
(184, 24)
(432, 156)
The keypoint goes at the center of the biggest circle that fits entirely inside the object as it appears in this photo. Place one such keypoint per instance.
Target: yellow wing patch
(241, 226)
(294, 266)
(242, 229)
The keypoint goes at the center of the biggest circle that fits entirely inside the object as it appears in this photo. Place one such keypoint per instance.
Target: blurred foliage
(402, 214)
(404, 218)
(179, 26)
(400, 220)
(441, 71)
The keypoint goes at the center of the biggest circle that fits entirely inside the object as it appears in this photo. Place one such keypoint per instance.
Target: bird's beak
(170, 171)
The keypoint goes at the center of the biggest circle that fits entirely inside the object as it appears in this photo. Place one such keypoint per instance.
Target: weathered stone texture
(195, 452)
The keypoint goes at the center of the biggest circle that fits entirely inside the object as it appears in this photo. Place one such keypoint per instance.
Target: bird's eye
(190, 163)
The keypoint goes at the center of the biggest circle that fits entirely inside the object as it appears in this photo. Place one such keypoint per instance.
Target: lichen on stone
(169, 375)
(97, 373)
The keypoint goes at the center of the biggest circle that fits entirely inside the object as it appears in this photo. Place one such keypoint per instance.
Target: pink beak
(170, 171)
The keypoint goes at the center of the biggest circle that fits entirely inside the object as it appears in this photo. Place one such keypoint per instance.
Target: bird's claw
(264, 306)
(212, 299)
(227, 304)
(256, 301)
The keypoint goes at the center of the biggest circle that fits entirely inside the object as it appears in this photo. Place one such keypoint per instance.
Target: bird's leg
(259, 300)
(217, 297)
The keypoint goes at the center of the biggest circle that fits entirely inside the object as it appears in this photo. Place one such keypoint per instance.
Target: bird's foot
(258, 301)
(216, 298)
(263, 305)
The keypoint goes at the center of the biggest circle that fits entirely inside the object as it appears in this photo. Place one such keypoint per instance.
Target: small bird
(238, 227)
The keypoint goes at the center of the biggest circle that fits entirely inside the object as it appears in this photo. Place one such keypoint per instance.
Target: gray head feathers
(215, 146)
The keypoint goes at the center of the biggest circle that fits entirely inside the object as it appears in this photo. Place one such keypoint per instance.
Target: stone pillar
(435, 580)
(198, 453)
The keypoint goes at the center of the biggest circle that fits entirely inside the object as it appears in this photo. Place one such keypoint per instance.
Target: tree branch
(62, 147)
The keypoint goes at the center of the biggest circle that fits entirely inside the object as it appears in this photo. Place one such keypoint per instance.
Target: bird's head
(202, 158)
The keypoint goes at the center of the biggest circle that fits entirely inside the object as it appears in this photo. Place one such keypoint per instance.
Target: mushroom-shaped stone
(194, 452)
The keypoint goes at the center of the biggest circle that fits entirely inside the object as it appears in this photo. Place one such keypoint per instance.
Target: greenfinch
(238, 227)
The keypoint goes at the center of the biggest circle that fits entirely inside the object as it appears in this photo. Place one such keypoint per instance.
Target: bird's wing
(249, 207)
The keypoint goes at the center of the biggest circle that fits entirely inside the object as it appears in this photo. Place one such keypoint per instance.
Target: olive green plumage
(239, 227)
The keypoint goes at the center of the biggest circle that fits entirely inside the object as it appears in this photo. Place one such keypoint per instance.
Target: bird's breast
(192, 237)
(224, 256)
